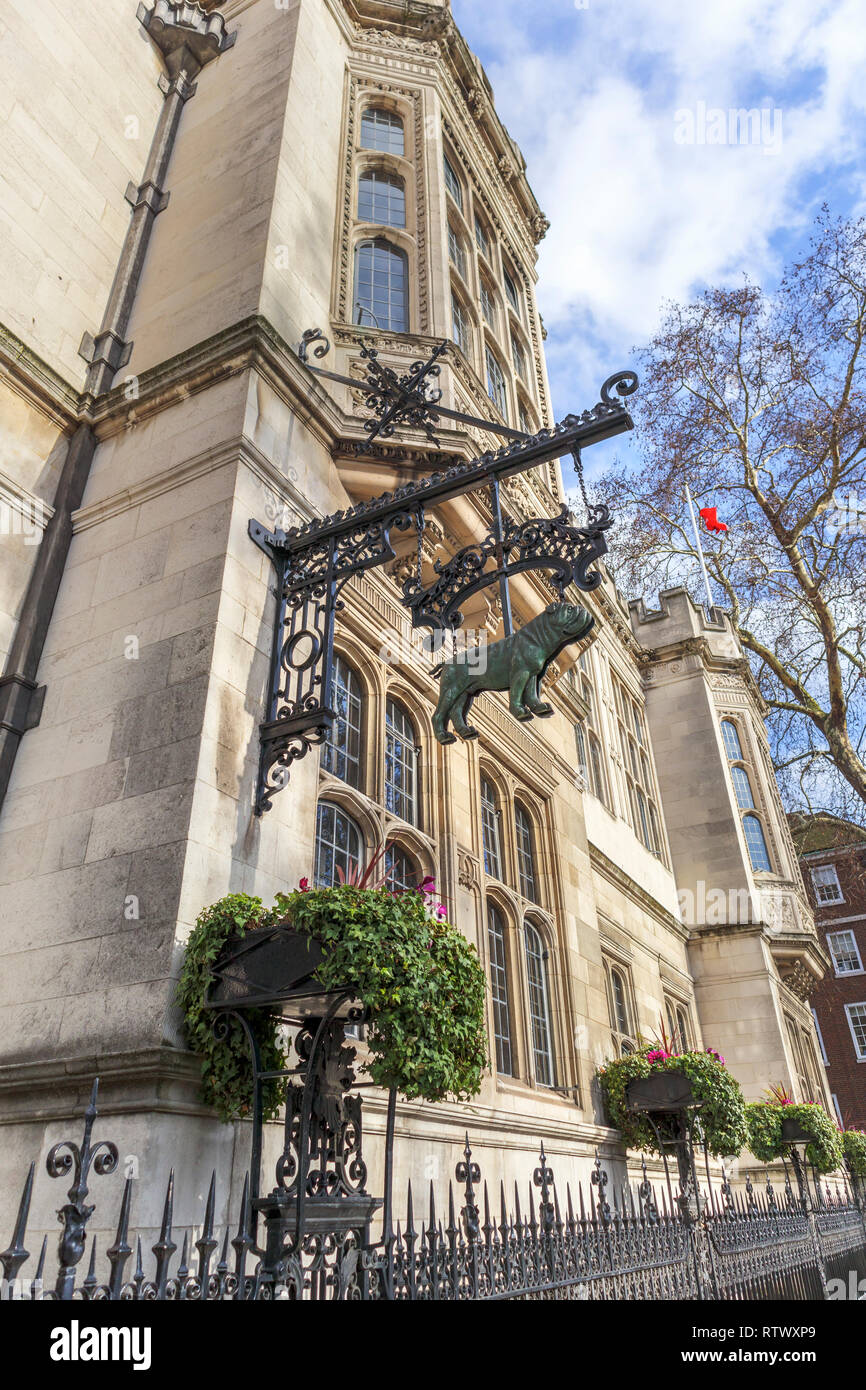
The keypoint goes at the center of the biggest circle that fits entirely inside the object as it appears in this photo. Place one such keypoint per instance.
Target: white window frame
(857, 1004)
(837, 1108)
(858, 969)
(824, 869)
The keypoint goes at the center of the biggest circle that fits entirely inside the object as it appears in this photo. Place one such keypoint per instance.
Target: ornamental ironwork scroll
(314, 562)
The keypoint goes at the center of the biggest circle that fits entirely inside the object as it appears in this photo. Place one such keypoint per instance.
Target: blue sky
(608, 100)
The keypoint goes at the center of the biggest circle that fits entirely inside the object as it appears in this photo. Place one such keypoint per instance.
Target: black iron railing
(622, 1242)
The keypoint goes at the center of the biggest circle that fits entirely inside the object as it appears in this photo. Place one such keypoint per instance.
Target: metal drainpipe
(185, 49)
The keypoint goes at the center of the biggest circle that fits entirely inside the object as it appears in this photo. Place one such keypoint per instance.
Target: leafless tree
(757, 402)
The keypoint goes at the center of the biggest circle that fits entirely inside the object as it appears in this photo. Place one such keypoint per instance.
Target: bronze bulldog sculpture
(516, 664)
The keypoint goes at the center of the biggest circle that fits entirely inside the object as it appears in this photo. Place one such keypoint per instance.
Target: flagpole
(710, 603)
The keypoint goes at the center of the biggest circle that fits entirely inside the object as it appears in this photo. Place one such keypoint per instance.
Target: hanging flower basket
(418, 979)
(774, 1126)
(698, 1080)
(854, 1152)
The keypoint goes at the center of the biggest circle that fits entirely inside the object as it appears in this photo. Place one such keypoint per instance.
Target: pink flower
(657, 1056)
(712, 1052)
(441, 911)
(304, 885)
(427, 884)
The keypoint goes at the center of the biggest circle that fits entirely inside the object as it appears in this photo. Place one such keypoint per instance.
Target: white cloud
(591, 96)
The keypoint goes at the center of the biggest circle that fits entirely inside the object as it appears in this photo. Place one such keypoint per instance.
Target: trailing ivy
(419, 977)
(226, 1068)
(823, 1152)
(854, 1150)
(722, 1117)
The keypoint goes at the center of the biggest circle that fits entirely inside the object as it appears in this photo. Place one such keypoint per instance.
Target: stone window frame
(413, 800)
(372, 107)
(530, 321)
(625, 1040)
(392, 243)
(532, 878)
(360, 697)
(494, 818)
(805, 1066)
(501, 1000)
(822, 1047)
(502, 404)
(395, 182)
(642, 785)
(745, 760)
(532, 924)
(684, 1039)
(459, 300)
(584, 677)
(408, 103)
(357, 829)
(460, 261)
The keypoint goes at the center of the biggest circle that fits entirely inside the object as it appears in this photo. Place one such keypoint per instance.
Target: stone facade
(132, 768)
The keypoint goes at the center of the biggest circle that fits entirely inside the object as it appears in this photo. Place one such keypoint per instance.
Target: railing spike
(15, 1255)
(165, 1246)
(36, 1286)
(207, 1241)
(89, 1281)
(411, 1233)
(120, 1251)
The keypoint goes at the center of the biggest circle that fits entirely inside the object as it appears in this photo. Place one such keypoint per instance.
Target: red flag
(711, 520)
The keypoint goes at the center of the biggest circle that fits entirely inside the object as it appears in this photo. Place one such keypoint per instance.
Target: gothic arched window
(382, 130)
(339, 844)
(525, 854)
(490, 830)
(499, 990)
(401, 763)
(381, 198)
(341, 753)
(541, 1034)
(382, 285)
(756, 844)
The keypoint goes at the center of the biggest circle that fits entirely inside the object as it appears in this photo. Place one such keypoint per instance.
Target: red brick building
(833, 859)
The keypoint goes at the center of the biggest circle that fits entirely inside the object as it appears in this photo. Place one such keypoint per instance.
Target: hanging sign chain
(578, 468)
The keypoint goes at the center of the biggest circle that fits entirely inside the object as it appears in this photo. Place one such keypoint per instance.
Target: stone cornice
(617, 876)
(25, 372)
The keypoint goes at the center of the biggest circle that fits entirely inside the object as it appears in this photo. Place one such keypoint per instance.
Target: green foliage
(722, 1117)
(420, 979)
(854, 1150)
(226, 1069)
(824, 1152)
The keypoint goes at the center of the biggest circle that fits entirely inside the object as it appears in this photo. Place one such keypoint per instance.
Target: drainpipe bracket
(21, 703)
(147, 195)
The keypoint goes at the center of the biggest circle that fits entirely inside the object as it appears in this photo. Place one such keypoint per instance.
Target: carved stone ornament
(540, 227)
(467, 869)
(174, 25)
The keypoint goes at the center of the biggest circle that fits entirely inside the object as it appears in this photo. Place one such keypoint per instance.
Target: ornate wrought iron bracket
(313, 563)
(398, 400)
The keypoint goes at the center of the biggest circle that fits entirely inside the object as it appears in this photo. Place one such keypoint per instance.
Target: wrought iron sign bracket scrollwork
(315, 561)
